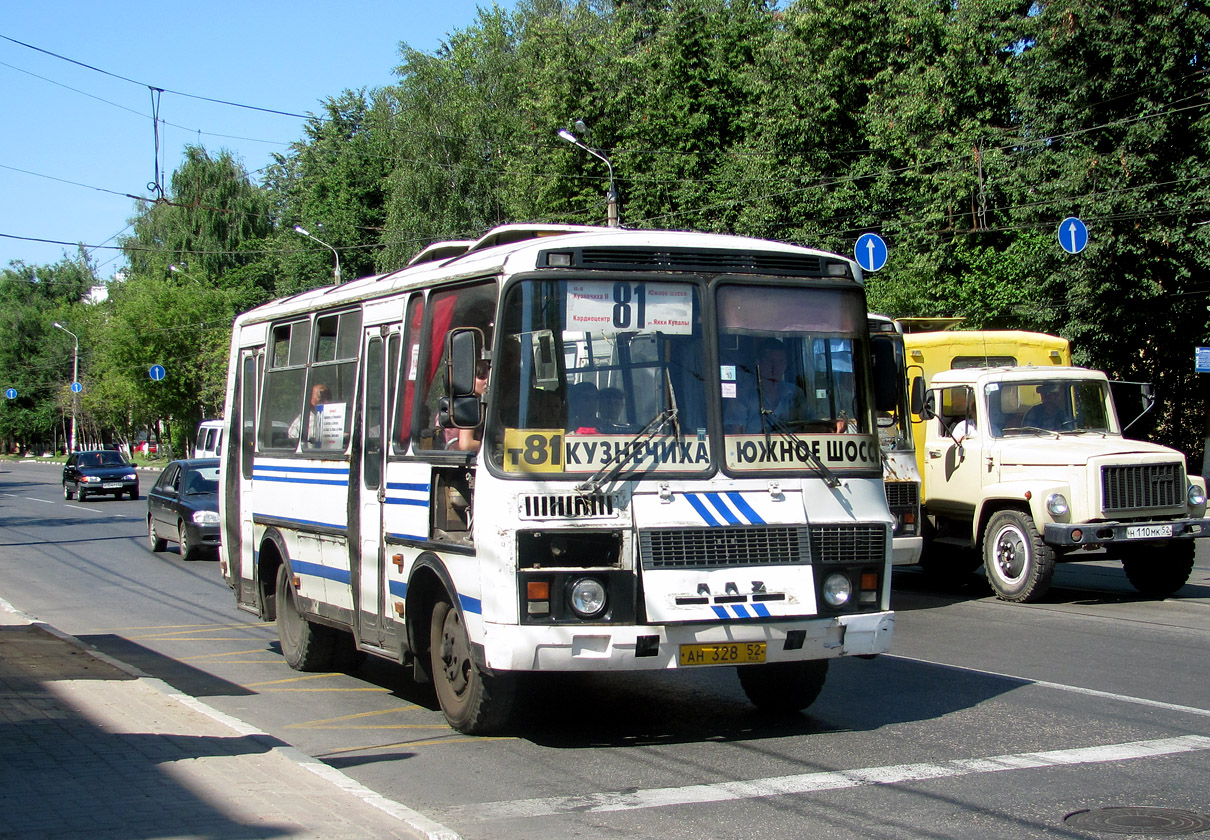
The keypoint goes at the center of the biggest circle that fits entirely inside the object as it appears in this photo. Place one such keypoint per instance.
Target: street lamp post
(300, 229)
(612, 195)
(75, 377)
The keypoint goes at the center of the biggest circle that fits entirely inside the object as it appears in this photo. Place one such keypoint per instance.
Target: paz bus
(554, 449)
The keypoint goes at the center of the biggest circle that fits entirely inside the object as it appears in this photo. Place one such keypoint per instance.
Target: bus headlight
(1056, 504)
(587, 597)
(1197, 496)
(837, 590)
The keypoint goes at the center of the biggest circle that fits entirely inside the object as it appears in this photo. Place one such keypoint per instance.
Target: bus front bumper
(651, 648)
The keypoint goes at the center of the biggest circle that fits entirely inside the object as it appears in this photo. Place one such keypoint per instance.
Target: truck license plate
(728, 653)
(1147, 532)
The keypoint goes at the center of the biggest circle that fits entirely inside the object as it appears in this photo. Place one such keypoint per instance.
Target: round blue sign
(1073, 235)
(870, 252)
(11, 393)
(157, 372)
(76, 387)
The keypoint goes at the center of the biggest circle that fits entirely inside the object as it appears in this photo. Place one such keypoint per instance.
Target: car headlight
(837, 589)
(1197, 496)
(130, 477)
(205, 517)
(90, 479)
(587, 597)
(1056, 504)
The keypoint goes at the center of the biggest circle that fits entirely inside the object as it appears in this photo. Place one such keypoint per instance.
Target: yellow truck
(1023, 464)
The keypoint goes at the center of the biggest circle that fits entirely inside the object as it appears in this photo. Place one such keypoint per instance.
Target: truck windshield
(1049, 405)
(594, 376)
(793, 368)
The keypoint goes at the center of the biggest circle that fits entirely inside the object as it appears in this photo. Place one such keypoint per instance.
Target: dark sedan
(183, 507)
(99, 472)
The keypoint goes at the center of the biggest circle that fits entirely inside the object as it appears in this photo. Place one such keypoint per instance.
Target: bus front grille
(682, 548)
(569, 506)
(1142, 487)
(902, 494)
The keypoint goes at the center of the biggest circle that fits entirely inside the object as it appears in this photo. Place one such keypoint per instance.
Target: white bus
(564, 449)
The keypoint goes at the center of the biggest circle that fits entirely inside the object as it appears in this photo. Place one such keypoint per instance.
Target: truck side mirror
(464, 346)
(928, 404)
(920, 401)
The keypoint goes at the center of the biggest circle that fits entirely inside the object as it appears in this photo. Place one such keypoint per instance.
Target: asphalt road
(988, 720)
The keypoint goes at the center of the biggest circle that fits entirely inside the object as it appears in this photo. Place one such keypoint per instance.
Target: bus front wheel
(307, 646)
(473, 702)
(783, 687)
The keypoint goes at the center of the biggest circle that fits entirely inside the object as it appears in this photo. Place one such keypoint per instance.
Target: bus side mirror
(464, 346)
(919, 403)
(888, 381)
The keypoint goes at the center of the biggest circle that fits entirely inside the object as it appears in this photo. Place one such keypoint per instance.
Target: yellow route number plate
(728, 653)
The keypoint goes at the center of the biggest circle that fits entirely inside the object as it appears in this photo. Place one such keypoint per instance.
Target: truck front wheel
(1019, 565)
(1154, 571)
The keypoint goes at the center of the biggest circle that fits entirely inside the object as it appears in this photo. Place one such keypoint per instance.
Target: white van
(209, 439)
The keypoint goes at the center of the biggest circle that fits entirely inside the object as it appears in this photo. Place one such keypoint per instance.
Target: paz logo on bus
(870, 251)
(1073, 235)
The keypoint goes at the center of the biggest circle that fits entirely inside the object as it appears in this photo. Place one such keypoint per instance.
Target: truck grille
(1142, 487)
(902, 494)
(678, 548)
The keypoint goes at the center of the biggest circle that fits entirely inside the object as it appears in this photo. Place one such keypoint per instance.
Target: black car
(99, 472)
(183, 507)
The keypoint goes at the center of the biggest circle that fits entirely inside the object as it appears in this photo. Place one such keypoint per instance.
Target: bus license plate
(728, 653)
(1145, 532)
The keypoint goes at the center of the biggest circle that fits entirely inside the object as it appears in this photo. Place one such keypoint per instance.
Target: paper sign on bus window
(601, 306)
(331, 425)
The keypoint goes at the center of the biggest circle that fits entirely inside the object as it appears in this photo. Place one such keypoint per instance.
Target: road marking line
(1074, 689)
(322, 676)
(824, 781)
(357, 716)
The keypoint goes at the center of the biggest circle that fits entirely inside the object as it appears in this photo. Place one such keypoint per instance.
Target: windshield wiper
(830, 478)
(625, 453)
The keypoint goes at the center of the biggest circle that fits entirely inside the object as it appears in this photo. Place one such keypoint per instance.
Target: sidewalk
(91, 748)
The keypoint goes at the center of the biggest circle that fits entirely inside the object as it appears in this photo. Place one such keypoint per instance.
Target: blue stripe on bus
(312, 522)
(300, 567)
(701, 509)
(414, 537)
(312, 470)
(721, 612)
(740, 611)
(311, 481)
(418, 488)
(471, 605)
(398, 588)
(722, 508)
(761, 610)
(395, 500)
(741, 504)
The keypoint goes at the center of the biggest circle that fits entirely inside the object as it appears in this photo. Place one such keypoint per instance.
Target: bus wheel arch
(272, 554)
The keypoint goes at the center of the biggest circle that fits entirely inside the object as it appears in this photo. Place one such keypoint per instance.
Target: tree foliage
(962, 132)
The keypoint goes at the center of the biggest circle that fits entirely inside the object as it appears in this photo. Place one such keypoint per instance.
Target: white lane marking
(1074, 689)
(823, 781)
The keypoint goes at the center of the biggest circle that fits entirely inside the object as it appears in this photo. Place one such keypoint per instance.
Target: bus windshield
(792, 371)
(595, 375)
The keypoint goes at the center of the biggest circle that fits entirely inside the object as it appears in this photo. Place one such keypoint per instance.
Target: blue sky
(75, 141)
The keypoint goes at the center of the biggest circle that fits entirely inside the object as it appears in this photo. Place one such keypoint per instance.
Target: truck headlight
(587, 597)
(1056, 504)
(837, 589)
(1197, 496)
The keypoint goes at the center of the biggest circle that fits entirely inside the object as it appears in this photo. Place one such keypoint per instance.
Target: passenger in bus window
(544, 410)
(582, 403)
(320, 395)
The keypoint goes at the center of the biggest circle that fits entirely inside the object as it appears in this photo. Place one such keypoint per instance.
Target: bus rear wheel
(307, 646)
(783, 687)
(473, 702)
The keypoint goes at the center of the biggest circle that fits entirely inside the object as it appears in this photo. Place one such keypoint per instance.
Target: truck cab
(1028, 465)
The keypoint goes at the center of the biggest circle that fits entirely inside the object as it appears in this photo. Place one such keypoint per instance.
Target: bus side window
(284, 384)
(469, 306)
(407, 375)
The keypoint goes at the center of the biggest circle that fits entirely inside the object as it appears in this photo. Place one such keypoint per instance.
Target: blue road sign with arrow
(1073, 235)
(870, 252)
(76, 387)
(157, 372)
(11, 393)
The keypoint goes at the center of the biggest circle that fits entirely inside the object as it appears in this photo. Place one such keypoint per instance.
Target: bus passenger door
(240, 546)
(371, 598)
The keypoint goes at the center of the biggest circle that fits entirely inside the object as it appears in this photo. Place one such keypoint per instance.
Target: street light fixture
(75, 377)
(612, 195)
(176, 269)
(302, 230)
